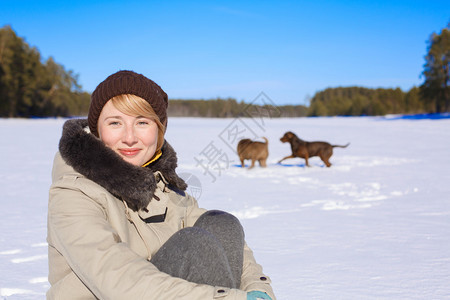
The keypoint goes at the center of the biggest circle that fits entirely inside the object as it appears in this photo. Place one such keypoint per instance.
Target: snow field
(373, 226)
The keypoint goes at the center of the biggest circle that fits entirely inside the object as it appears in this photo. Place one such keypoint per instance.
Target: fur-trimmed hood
(90, 157)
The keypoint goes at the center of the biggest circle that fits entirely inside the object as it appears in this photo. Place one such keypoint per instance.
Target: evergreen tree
(436, 87)
(30, 87)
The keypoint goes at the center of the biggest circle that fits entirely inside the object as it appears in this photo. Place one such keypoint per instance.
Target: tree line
(230, 107)
(32, 87)
(359, 101)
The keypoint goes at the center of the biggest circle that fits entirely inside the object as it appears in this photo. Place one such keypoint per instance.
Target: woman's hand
(257, 295)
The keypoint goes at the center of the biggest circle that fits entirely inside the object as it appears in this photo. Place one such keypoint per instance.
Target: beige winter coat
(99, 245)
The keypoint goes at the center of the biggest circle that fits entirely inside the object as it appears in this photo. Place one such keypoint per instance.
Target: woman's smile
(129, 151)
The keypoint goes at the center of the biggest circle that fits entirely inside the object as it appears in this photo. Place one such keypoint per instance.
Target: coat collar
(91, 158)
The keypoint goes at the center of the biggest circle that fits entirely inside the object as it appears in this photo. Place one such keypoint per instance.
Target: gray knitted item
(228, 230)
(210, 253)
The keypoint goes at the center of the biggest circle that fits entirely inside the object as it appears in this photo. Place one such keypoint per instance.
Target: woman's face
(133, 138)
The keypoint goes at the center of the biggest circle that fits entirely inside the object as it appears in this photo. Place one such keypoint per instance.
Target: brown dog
(256, 151)
(303, 149)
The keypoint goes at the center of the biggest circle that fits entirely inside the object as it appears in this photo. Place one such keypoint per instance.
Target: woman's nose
(129, 137)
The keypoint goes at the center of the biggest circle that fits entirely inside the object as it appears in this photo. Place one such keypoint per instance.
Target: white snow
(373, 226)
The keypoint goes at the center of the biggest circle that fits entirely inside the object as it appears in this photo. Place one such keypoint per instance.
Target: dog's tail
(345, 146)
(267, 141)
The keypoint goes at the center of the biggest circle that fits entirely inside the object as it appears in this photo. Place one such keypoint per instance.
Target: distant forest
(359, 101)
(33, 87)
(228, 108)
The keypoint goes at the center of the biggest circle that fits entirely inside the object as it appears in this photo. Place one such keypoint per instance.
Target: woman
(120, 225)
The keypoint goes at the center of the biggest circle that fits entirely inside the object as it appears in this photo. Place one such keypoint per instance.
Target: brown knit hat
(127, 82)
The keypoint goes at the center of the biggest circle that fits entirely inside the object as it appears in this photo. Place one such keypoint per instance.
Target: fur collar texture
(91, 158)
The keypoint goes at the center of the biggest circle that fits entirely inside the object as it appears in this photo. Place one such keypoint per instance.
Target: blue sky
(206, 49)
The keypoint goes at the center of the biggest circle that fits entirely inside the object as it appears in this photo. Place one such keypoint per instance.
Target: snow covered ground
(376, 225)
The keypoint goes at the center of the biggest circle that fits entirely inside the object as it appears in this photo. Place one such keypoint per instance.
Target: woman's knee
(217, 220)
(196, 255)
(190, 239)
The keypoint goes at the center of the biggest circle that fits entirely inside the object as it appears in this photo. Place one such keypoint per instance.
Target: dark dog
(256, 151)
(303, 149)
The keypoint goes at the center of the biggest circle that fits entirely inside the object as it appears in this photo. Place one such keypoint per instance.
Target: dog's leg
(253, 164)
(242, 163)
(262, 163)
(290, 156)
(306, 160)
(325, 156)
(326, 161)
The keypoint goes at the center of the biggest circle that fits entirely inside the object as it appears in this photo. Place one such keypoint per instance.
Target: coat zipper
(130, 218)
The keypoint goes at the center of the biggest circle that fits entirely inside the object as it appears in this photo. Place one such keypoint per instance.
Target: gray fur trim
(91, 158)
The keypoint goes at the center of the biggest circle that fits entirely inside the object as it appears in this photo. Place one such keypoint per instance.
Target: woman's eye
(114, 123)
(143, 123)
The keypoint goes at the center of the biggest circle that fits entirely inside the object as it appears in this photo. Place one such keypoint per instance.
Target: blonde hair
(136, 106)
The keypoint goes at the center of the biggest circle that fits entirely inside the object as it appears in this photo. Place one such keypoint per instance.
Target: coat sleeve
(78, 229)
(253, 277)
